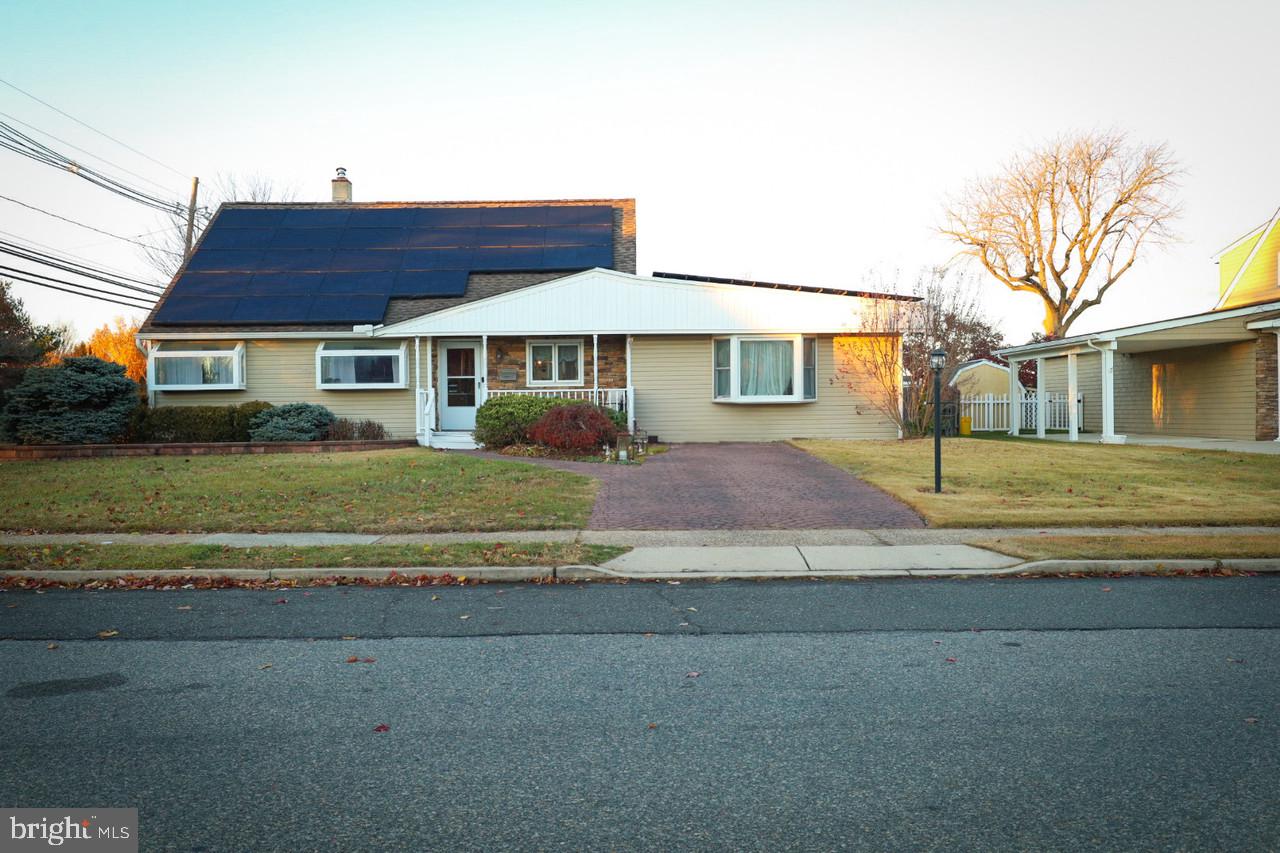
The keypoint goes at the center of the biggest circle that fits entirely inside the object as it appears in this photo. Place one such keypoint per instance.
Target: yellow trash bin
(966, 425)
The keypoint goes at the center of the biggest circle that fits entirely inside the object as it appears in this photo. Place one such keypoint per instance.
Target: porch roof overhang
(608, 302)
(1214, 327)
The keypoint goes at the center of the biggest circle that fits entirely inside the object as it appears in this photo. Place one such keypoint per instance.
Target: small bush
(181, 424)
(291, 422)
(345, 429)
(619, 419)
(579, 427)
(505, 420)
(80, 401)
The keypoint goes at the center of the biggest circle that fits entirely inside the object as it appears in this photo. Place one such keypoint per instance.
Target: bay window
(764, 369)
(356, 365)
(196, 366)
(554, 362)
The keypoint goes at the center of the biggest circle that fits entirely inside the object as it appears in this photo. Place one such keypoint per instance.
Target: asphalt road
(1089, 714)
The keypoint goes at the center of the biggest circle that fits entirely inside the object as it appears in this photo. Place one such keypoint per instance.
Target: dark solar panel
(341, 264)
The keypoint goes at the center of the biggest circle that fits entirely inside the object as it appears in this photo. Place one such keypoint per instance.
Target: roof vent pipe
(341, 186)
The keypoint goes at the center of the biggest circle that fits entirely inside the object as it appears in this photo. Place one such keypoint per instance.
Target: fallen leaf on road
(348, 636)
(937, 642)
(1106, 589)
(435, 598)
(1235, 660)
(11, 606)
(382, 727)
(692, 609)
(353, 659)
(265, 666)
(106, 635)
(1251, 720)
(52, 646)
(951, 660)
(647, 636)
(465, 616)
(183, 607)
(281, 601)
(653, 725)
(673, 583)
(692, 674)
(368, 660)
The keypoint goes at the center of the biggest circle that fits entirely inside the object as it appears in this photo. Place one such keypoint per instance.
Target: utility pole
(191, 215)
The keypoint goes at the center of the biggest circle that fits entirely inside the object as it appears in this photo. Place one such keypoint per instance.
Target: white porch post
(1109, 395)
(1041, 414)
(631, 393)
(1015, 399)
(419, 415)
(429, 415)
(1073, 388)
(595, 369)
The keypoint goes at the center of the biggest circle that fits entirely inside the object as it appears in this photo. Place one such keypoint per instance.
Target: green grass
(1136, 547)
(199, 557)
(389, 491)
(1029, 483)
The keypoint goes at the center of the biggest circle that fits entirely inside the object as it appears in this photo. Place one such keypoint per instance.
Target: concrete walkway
(631, 538)
(1188, 442)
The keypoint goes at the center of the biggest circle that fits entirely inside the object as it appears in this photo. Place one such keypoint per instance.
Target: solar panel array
(334, 265)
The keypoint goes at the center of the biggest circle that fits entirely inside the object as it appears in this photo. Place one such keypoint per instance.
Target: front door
(459, 384)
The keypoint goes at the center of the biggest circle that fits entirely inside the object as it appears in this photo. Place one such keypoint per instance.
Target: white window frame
(555, 381)
(237, 368)
(735, 360)
(356, 350)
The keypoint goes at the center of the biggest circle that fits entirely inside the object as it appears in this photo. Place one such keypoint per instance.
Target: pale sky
(802, 142)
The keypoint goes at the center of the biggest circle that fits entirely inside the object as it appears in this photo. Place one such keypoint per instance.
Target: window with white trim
(764, 369)
(554, 362)
(196, 366)
(360, 365)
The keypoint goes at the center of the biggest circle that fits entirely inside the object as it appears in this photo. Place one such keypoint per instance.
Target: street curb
(480, 573)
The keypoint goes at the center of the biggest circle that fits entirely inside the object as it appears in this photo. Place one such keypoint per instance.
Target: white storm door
(458, 389)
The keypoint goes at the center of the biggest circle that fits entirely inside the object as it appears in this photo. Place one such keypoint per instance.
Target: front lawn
(388, 491)
(179, 558)
(1030, 483)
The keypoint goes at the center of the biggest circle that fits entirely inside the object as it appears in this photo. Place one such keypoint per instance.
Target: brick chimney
(341, 186)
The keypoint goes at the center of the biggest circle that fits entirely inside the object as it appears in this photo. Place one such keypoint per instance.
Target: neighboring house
(1209, 375)
(412, 314)
(980, 377)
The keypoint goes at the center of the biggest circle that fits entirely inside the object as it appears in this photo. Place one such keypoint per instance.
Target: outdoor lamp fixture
(937, 361)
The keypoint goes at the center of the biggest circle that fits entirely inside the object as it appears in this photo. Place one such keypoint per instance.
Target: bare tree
(169, 245)
(890, 361)
(1065, 221)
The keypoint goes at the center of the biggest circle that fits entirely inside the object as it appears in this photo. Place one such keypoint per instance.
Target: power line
(91, 228)
(20, 276)
(27, 146)
(61, 254)
(90, 153)
(86, 272)
(91, 127)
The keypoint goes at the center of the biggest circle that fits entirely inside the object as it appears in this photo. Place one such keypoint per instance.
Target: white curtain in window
(766, 368)
(195, 370)
(339, 369)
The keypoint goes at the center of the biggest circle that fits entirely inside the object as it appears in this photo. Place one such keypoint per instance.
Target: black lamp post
(937, 361)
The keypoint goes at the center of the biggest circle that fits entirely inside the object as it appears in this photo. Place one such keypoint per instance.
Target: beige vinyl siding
(1196, 391)
(673, 388)
(1088, 381)
(284, 371)
(982, 380)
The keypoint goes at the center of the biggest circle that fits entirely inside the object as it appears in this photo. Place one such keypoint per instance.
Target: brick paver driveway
(735, 487)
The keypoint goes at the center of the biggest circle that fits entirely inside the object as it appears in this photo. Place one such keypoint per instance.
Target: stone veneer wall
(1266, 387)
(510, 352)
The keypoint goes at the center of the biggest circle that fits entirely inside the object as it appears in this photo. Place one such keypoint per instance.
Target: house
(1209, 375)
(979, 377)
(413, 314)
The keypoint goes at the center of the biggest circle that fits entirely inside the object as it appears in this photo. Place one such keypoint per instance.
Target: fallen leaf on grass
(382, 727)
(106, 635)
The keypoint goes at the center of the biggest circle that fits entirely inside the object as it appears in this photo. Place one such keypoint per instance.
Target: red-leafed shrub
(580, 427)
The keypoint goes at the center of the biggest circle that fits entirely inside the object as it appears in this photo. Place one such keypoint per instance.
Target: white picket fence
(990, 413)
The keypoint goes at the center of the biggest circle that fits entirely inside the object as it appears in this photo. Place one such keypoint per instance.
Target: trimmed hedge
(579, 427)
(291, 422)
(344, 429)
(80, 401)
(181, 424)
(505, 420)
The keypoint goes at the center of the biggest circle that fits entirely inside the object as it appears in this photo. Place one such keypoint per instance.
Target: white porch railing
(990, 413)
(426, 415)
(614, 398)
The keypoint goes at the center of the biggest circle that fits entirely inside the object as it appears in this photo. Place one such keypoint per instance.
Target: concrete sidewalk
(631, 538)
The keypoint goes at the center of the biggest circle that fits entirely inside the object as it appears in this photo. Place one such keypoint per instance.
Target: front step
(453, 441)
